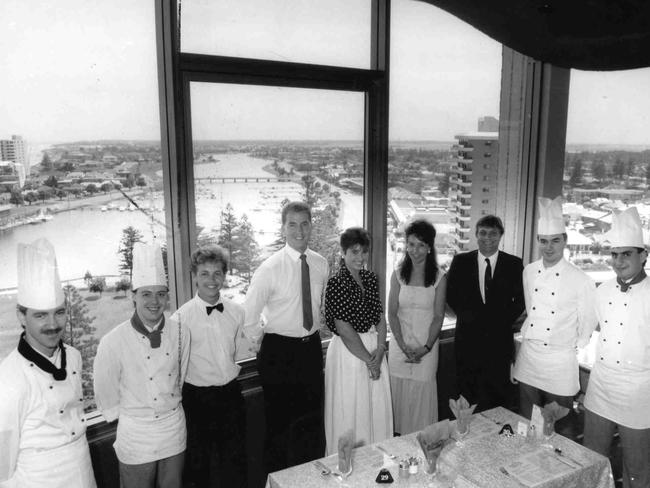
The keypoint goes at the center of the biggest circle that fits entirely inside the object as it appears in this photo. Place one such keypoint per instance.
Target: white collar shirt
(276, 292)
(214, 340)
(482, 265)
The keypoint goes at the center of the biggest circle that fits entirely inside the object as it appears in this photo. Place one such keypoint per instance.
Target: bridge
(248, 179)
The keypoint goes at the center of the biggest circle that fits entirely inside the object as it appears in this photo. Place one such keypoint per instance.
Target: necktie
(488, 278)
(153, 336)
(307, 319)
(218, 307)
(26, 351)
(637, 279)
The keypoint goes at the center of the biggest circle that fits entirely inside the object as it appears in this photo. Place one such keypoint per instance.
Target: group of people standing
(172, 383)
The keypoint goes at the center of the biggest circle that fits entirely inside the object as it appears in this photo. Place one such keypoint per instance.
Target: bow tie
(218, 306)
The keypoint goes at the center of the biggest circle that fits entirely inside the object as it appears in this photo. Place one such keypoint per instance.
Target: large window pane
(444, 106)
(336, 32)
(256, 147)
(83, 167)
(607, 164)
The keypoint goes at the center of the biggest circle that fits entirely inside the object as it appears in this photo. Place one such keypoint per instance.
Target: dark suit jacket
(484, 330)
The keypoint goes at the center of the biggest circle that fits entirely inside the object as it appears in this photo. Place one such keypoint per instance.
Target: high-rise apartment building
(488, 124)
(473, 188)
(14, 150)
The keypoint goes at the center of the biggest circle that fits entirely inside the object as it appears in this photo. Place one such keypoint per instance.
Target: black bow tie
(218, 306)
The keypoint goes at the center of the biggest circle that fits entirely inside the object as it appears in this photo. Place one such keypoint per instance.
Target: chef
(561, 316)
(618, 395)
(42, 425)
(139, 370)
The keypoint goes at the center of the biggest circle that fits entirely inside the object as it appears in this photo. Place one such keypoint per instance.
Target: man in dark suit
(484, 289)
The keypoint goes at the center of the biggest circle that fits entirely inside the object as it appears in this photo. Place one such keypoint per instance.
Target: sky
(86, 69)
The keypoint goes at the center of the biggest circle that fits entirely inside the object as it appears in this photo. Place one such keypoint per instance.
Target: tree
(227, 229)
(106, 187)
(80, 333)
(618, 170)
(647, 173)
(325, 233)
(599, 171)
(444, 183)
(51, 182)
(130, 235)
(245, 250)
(576, 174)
(67, 167)
(88, 277)
(16, 197)
(30, 197)
(141, 181)
(123, 285)
(310, 190)
(45, 192)
(92, 188)
(97, 285)
(46, 162)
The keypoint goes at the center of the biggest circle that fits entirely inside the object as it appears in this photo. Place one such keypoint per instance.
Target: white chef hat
(148, 269)
(550, 220)
(626, 229)
(39, 286)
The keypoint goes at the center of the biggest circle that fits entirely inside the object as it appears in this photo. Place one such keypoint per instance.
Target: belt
(293, 340)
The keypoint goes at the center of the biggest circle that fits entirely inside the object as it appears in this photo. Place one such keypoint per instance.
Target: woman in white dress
(416, 309)
(357, 387)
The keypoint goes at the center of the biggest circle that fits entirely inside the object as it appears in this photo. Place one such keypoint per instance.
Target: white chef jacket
(214, 338)
(560, 306)
(276, 290)
(141, 386)
(42, 425)
(619, 384)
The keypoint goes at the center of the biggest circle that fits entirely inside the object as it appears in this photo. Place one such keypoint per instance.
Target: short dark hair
(210, 254)
(490, 221)
(295, 207)
(21, 309)
(353, 236)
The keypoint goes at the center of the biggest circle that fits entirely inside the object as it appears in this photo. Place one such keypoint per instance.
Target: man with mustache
(560, 302)
(42, 424)
(139, 371)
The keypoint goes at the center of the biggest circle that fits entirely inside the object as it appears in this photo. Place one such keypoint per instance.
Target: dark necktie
(307, 319)
(488, 278)
(153, 336)
(30, 354)
(637, 279)
(218, 307)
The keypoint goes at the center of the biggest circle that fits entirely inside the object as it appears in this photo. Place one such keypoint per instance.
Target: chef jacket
(43, 419)
(619, 384)
(142, 386)
(560, 306)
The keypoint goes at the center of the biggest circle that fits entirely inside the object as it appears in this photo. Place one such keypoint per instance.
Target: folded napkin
(552, 412)
(461, 408)
(432, 439)
(346, 443)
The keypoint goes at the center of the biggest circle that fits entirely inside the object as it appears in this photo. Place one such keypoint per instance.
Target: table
(484, 459)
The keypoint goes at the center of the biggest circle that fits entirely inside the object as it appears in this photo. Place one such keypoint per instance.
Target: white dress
(353, 401)
(413, 385)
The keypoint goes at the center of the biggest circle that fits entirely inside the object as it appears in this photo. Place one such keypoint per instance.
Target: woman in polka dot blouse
(357, 386)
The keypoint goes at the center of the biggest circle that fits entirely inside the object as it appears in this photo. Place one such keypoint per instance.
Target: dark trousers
(529, 396)
(635, 444)
(291, 372)
(216, 436)
(164, 473)
(486, 384)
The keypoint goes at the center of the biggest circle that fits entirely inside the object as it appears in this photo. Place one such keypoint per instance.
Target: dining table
(487, 457)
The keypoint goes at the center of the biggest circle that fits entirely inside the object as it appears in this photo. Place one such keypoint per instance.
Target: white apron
(68, 466)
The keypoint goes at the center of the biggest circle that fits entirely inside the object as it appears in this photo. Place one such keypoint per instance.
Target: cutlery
(505, 471)
(488, 418)
(392, 456)
(561, 455)
(325, 471)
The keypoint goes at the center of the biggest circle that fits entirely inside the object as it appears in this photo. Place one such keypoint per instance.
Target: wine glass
(462, 427)
(548, 431)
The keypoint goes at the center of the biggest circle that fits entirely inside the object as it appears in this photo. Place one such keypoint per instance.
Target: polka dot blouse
(345, 300)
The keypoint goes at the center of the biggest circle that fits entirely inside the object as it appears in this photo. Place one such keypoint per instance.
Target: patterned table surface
(480, 460)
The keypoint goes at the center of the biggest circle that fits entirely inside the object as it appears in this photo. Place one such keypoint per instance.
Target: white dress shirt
(276, 291)
(39, 415)
(213, 350)
(482, 265)
(561, 315)
(141, 386)
(619, 384)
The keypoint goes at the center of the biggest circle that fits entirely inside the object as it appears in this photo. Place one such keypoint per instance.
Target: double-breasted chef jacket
(560, 305)
(42, 425)
(141, 385)
(619, 384)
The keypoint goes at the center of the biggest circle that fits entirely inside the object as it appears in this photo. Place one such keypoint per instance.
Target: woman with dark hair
(357, 386)
(416, 309)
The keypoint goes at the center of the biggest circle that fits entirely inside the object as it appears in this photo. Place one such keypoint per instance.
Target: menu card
(538, 468)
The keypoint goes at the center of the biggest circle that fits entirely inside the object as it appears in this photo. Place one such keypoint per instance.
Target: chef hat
(39, 286)
(148, 269)
(550, 220)
(626, 229)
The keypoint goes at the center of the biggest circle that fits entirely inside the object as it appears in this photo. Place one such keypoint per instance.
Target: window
(485, 202)
(256, 147)
(84, 165)
(607, 162)
(487, 155)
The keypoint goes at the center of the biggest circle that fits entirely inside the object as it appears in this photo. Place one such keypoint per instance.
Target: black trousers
(216, 436)
(486, 383)
(291, 372)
